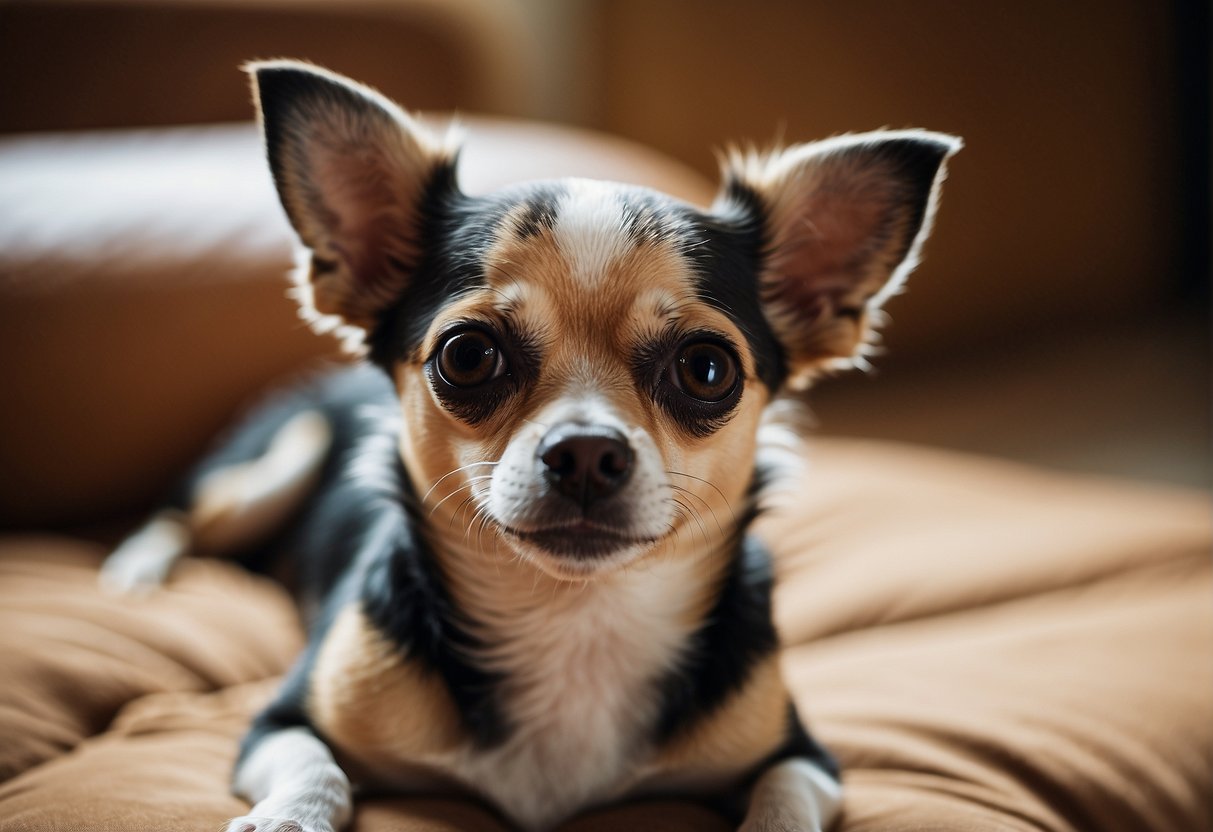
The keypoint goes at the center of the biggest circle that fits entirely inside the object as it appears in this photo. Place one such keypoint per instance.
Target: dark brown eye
(704, 371)
(469, 358)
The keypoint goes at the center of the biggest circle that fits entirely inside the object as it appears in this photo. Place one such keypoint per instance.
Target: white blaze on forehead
(591, 228)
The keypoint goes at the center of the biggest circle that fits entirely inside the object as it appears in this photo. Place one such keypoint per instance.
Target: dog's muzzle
(585, 462)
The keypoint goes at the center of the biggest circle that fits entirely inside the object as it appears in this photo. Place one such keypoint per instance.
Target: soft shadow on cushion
(880, 532)
(167, 761)
(73, 656)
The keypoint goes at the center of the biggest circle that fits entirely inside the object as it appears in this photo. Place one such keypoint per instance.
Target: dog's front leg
(793, 796)
(294, 784)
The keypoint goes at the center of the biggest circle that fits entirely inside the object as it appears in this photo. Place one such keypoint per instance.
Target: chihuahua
(518, 530)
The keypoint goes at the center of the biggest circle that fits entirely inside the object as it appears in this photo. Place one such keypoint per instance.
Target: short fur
(519, 531)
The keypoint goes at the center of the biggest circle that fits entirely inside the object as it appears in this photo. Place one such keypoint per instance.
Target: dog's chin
(578, 551)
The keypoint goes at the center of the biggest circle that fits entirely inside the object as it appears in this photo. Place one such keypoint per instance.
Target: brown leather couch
(985, 646)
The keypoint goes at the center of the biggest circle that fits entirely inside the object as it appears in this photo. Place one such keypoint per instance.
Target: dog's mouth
(583, 539)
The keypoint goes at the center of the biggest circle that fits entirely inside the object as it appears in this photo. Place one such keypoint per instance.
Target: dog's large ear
(842, 224)
(354, 173)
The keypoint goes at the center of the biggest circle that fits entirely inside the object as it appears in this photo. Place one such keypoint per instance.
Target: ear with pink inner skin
(354, 173)
(843, 223)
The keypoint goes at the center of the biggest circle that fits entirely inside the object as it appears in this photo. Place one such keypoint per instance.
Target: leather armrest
(142, 294)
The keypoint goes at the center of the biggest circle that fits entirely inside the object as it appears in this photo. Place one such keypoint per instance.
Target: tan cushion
(142, 295)
(72, 656)
(984, 646)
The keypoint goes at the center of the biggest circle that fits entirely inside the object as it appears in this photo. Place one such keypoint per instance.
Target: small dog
(518, 532)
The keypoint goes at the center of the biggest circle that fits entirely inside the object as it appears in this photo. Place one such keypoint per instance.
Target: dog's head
(583, 366)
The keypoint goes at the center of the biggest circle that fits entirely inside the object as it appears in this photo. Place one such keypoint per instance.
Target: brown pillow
(72, 656)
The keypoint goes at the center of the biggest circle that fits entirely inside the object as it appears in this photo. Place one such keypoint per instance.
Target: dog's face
(583, 366)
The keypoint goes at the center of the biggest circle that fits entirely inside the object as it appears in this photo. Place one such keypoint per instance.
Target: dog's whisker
(464, 487)
(460, 508)
(711, 485)
(470, 484)
(438, 505)
(706, 504)
(477, 523)
(480, 517)
(695, 515)
(684, 519)
(441, 479)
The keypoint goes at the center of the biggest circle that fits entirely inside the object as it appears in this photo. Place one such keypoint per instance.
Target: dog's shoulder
(394, 666)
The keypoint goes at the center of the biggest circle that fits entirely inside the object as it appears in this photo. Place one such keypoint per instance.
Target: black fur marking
(538, 211)
(651, 217)
(458, 230)
(798, 744)
(369, 518)
(289, 97)
(801, 745)
(915, 163)
(280, 93)
(726, 252)
(454, 228)
(406, 598)
(735, 636)
(287, 709)
(355, 542)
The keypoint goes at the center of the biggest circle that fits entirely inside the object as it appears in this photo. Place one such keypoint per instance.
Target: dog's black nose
(585, 462)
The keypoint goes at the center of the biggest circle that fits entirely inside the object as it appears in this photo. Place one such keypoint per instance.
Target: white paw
(132, 575)
(143, 561)
(256, 824)
(780, 823)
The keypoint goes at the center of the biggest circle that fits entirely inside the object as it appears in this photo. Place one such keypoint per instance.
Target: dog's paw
(258, 824)
(132, 576)
(143, 562)
(780, 824)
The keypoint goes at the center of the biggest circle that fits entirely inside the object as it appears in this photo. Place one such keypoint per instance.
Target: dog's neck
(507, 595)
(581, 664)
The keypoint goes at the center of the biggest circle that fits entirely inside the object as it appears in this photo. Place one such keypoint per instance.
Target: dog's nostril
(585, 462)
(612, 464)
(560, 461)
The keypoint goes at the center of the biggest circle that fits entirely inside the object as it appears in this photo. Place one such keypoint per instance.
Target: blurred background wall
(1061, 315)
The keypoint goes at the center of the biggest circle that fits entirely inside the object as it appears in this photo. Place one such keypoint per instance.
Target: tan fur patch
(242, 503)
(372, 702)
(748, 727)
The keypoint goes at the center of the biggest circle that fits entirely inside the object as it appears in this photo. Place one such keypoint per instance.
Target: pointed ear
(843, 221)
(355, 174)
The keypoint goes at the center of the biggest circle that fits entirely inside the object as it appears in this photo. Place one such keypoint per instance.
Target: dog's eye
(470, 358)
(704, 371)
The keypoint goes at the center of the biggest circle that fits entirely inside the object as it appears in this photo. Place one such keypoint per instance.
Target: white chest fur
(582, 667)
